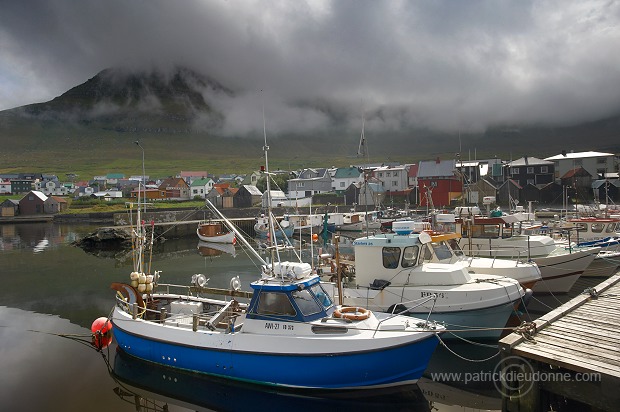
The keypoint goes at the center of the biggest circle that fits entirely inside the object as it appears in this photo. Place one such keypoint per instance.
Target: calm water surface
(51, 288)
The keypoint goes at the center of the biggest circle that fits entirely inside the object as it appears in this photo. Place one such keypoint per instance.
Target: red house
(438, 183)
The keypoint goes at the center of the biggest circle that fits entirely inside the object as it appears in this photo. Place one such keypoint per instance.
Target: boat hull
(560, 272)
(487, 323)
(249, 357)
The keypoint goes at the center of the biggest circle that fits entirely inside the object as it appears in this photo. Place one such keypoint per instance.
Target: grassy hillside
(91, 130)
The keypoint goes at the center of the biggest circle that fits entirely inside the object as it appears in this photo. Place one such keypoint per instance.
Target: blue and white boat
(289, 334)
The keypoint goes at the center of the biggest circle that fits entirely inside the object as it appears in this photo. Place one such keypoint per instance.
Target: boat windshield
(321, 295)
(306, 302)
(454, 244)
(442, 251)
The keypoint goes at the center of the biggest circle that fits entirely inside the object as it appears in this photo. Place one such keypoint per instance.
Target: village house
(310, 182)
(175, 188)
(191, 177)
(247, 196)
(55, 204)
(32, 203)
(595, 163)
(345, 177)
(278, 198)
(200, 187)
(222, 195)
(10, 207)
(5, 187)
(438, 183)
(393, 178)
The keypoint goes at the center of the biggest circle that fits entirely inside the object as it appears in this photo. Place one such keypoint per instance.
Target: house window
(530, 181)
(388, 174)
(342, 184)
(380, 174)
(394, 182)
(601, 160)
(578, 162)
(300, 184)
(544, 169)
(395, 174)
(514, 170)
(530, 170)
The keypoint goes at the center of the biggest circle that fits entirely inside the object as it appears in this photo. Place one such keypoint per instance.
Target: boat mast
(271, 226)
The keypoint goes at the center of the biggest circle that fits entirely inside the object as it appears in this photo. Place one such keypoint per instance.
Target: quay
(573, 353)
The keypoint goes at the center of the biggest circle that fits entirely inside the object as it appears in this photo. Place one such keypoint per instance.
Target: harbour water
(52, 291)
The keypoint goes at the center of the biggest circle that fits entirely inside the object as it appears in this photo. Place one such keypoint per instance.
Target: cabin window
(611, 227)
(306, 302)
(582, 226)
(321, 295)
(598, 227)
(442, 251)
(410, 256)
(271, 303)
(391, 256)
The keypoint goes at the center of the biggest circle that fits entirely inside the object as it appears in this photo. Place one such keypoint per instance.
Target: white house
(393, 178)
(595, 163)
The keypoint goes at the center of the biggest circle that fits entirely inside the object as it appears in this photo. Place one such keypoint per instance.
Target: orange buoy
(102, 332)
(315, 237)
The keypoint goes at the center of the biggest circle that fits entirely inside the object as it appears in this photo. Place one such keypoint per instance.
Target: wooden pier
(573, 353)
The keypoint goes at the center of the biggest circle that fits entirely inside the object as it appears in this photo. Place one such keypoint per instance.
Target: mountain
(91, 129)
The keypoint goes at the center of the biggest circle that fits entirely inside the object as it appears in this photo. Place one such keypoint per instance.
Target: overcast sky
(454, 65)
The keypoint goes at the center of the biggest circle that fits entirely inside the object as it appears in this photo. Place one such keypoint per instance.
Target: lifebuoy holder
(352, 313)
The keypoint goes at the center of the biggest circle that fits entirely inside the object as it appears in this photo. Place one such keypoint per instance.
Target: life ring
(352, 313)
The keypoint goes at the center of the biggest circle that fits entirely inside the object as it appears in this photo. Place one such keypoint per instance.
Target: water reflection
(151, 387)
(211, 249)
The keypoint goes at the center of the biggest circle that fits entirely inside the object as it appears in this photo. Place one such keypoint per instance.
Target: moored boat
(291, 333)
(214, 232)
(392, 274)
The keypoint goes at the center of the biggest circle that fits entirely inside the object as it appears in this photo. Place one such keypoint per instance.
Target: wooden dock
(574, 353)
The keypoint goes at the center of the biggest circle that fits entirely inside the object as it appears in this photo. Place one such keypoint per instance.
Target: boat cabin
(278, 298)
(406, 258)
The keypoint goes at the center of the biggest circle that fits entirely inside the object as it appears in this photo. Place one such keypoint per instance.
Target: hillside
(91, 129)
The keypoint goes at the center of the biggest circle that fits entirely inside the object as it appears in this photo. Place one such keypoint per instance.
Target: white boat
(290, 334)
(305, 224)
(214, 232)
(495, 237)
(359, 222)
(283, 228)
(594, 228)
(391, 274)
(445, 248)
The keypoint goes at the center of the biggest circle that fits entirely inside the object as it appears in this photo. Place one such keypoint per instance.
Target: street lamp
(137, 142)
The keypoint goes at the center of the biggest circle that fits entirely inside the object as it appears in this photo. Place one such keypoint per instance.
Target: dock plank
(547, 354)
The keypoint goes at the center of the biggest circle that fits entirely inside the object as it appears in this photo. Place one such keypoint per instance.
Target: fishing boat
(444, 247)
(359, 222)
(497, 237)
(392, 274)
(283, 228)
(291, 333)
(214, 232)
(151, 387)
